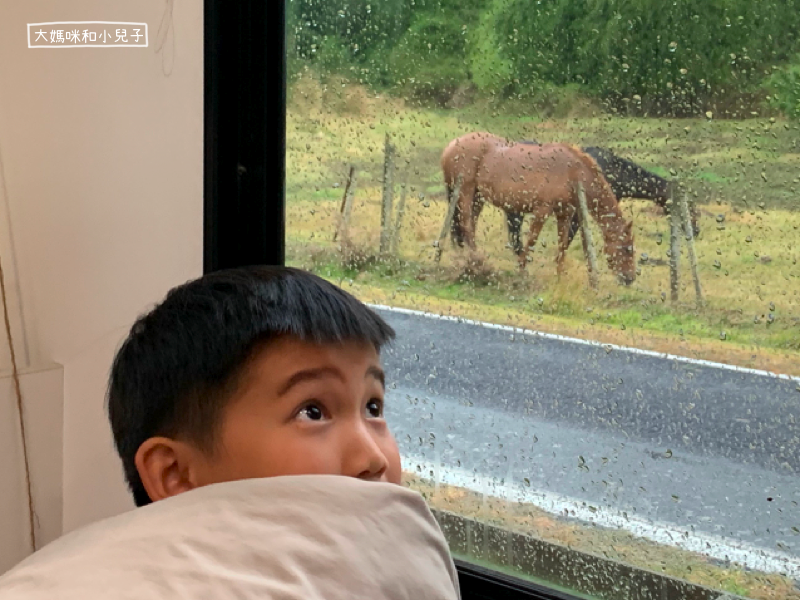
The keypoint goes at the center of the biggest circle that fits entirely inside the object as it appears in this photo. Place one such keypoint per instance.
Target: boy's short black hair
(180, 362)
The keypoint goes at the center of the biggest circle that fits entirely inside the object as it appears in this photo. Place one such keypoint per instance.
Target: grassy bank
(608, 543)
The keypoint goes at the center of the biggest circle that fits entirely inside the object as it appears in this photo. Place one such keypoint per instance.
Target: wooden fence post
(451, 209)
(401, 207)
(347, 204)
(675, 226)
(388, 192)
(586, 232)
(689, 230)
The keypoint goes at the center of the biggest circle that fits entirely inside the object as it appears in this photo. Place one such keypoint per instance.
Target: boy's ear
(166, 467)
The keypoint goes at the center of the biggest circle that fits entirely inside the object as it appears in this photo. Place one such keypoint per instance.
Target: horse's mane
(626, 162)
(591, 163)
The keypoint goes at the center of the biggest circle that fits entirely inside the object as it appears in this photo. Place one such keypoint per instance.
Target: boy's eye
(311, 412)
(375, 408)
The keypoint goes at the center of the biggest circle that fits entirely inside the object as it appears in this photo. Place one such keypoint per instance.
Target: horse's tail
(456, 233)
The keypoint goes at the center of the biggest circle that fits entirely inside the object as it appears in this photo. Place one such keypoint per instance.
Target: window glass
(613, 408)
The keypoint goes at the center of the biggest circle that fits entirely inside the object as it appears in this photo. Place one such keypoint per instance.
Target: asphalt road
(658, 446)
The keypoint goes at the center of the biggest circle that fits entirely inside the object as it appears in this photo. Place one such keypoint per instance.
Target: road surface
(704, 457)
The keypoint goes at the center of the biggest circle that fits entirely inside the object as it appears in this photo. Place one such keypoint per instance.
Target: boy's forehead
(279, 360)
(292, 351)
(288, 340)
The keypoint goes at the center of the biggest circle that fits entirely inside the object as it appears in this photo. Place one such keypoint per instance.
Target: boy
(251, 373)
(236, 406)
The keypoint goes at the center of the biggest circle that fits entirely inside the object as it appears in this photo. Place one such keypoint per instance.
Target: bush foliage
(677, 58)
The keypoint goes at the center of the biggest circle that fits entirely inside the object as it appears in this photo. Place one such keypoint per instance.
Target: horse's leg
(514, 222)
(466, 200)
(477, 207)
(468, 194)
(537, 222)
(564, 225)
(574, 226)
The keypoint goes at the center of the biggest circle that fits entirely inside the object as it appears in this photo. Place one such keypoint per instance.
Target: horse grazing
(627, 180)
(538, 179)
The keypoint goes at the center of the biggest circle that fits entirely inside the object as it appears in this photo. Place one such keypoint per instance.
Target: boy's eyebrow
(378, 374)
(310, 374)
(307, 375)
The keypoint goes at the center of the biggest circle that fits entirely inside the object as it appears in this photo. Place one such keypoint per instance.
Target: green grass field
(743, 175)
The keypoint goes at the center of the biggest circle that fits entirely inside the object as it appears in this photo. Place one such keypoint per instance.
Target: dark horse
(627, 180)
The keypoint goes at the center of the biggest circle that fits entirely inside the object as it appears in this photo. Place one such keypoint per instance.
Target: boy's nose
(364, 457)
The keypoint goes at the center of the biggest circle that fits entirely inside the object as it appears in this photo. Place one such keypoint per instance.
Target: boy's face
(303, 408)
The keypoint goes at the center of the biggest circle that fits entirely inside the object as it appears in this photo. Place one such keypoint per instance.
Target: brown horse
(541, 180)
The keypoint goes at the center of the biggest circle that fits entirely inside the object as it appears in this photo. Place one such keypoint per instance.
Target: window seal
(481, 583)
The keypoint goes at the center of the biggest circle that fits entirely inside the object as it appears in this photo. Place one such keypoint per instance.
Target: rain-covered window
(582, 217)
